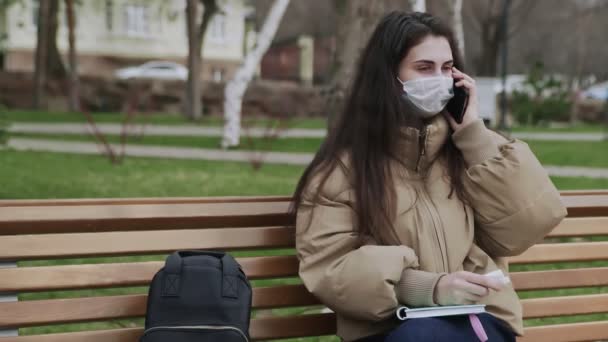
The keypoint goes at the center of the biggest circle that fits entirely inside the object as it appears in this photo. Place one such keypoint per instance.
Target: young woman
(403, 206)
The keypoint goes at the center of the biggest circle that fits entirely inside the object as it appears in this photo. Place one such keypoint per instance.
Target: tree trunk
(54, 64)
(490, 44)
(235, 89)
(74, 102)
(193, 90)
(356, 21)
(196, 40)
(458, 26)
(41, 55)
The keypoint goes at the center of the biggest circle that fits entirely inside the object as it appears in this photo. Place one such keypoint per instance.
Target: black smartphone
(458, 104)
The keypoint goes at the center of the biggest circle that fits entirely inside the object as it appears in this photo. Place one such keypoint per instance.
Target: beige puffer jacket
(514, 205)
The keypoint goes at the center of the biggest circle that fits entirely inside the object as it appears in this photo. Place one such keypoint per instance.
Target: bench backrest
(36, 233)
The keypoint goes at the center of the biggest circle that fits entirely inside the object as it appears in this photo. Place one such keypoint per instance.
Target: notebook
(403, 312)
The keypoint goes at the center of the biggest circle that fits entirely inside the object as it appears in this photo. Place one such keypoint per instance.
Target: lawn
(178, 119)
(48, 175)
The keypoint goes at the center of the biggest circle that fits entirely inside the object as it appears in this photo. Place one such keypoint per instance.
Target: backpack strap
(173, 270)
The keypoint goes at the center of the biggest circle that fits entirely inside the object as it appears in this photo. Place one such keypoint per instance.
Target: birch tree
(236, 87)
(458, 26)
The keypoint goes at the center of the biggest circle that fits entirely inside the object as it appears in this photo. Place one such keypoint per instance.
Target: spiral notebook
(403, 312)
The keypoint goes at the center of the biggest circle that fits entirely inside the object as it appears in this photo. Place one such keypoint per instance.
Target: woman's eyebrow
(426, 61)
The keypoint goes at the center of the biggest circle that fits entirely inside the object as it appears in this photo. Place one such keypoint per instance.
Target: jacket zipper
(432, 213)
(422, 141)
(198, 327)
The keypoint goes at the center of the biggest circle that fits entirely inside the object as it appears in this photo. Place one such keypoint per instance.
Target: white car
(598, 91)
(154, 70)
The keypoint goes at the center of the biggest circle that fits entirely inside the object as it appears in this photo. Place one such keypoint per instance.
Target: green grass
(577, 183)
(49, 175)
(176, 119)
(55, 175)
(576, 128)
(574, 153)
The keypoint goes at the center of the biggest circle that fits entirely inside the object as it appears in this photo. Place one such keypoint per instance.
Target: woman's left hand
(472, 112)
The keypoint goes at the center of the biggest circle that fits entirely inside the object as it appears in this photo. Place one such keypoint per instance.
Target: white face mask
(428, 96)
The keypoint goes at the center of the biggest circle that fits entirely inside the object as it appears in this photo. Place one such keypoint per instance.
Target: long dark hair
(370, 122)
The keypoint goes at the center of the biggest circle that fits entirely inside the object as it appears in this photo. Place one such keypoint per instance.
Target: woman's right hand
(461, 288)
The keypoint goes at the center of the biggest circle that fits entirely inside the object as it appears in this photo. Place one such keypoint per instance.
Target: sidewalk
(164, 130)
(116, 129)
(22, 144)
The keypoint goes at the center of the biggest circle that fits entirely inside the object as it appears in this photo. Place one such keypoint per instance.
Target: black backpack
(198, 296)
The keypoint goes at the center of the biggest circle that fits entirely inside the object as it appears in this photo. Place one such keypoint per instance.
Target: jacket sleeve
(364, 282)
(514, 201)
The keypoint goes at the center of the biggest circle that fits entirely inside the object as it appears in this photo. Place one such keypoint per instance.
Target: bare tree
(196, 39)
(235, 89)
(74, 103)
(485, 18)
(54, 65)
(356, 20)
(42, 43)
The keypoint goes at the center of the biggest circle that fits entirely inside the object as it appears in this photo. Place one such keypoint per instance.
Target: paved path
(211, 154)
(165, 130)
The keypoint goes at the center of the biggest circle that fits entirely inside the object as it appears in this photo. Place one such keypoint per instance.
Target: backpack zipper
(198, 327)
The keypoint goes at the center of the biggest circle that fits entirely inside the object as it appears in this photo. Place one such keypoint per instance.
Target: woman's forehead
(432, 48)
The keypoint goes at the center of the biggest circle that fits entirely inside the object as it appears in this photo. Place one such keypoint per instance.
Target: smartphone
(458, 104)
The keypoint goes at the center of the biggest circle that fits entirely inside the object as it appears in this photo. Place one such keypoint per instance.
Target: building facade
(115, 33)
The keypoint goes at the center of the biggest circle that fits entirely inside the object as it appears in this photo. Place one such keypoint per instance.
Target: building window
(217, 75)
(217, 28)
(136, 20)
(109, 15)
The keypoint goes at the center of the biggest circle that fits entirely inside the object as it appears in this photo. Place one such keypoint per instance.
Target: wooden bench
(82, 229)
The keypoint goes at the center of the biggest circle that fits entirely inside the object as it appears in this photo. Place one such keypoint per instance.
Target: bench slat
(116, 217)
(581, 226)
(71, 277)
(563, 252)
(583, 192)
(585, 205)
(564, 306)
(587, 331)
(142, 200)
(57, 311)
(260, 329)
(25, 247)
(91, 218)
(560, 279)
